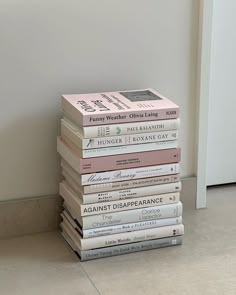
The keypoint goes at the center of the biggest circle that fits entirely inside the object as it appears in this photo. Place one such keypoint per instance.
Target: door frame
(202, 101)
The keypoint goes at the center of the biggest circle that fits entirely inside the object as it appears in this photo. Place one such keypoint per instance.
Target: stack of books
(121, 175)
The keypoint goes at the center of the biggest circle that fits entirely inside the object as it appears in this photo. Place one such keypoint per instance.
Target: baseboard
(28, 216)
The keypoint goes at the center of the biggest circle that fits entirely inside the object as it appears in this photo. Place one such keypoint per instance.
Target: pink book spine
(134, 116)
(125, 161)
(118, 107)
(130, 160)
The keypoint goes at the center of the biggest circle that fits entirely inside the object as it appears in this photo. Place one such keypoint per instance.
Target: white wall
(54, 47)
(221, 142)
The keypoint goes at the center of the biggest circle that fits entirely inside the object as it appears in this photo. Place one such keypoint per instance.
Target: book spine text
(121, 249)
(109, 230)
(109, 163)
(130, 128)
(128, 193)
(121, 217)
(130, 237)
(128, 174)
(123, 185)
(130, 204)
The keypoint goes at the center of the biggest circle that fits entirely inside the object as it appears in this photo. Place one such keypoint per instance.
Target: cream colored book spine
(129, 237)
(114, 206)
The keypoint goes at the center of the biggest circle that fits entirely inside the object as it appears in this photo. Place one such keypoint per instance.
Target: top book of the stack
(118, 107)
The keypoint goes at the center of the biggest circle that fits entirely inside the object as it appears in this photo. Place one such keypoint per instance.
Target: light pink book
(123, 161)
(118, 107)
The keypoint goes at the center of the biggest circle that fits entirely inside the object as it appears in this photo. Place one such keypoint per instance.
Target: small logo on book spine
(91, 142)
(118, 130)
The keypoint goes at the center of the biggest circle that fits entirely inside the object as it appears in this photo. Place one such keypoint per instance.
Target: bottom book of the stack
(157, 234)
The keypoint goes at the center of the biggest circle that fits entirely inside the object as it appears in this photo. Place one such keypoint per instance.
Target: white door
(221, 149)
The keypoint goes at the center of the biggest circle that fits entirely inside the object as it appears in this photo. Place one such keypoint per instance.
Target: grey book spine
(129, 248)
(128, 216)
(123, 249)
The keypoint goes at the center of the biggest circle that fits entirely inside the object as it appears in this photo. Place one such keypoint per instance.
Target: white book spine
(120, 249)
(121, 217)
(130, 248)
(128, 193)
(73, 133)
(107, 207)
(102, 142)
(127, 149)
(130, 128)
(110, 230)
(128, 174)
(131, 237)
(73, 178)
(130, 204)
(121, 185)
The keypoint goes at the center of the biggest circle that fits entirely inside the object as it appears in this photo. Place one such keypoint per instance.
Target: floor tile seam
(89, 278)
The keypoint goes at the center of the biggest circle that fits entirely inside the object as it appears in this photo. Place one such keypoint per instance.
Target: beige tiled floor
(204, 264)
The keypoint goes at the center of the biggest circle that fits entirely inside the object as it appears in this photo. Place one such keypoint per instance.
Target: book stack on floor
(120, 166)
